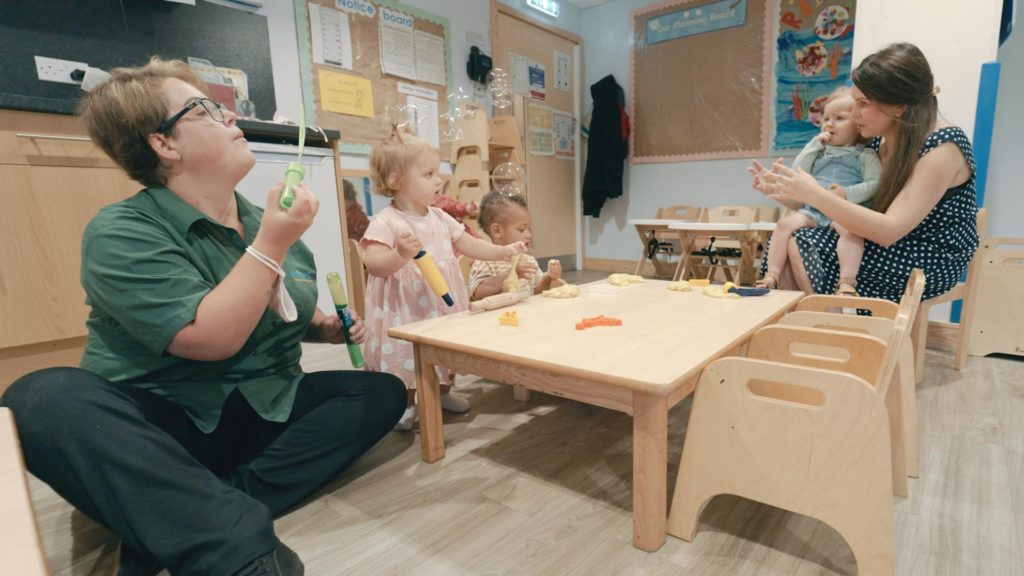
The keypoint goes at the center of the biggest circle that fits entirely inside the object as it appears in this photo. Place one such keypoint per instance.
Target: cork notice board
(359, 132)
(699, 75)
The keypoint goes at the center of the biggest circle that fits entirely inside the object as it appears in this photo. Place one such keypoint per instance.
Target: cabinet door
(45, 210)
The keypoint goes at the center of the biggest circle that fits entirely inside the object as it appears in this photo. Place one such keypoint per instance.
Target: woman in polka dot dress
(924, 213)
(405, 169)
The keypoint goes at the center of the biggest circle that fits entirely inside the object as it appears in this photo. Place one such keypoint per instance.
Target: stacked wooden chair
(814, 432)
(470, 156)
(721, 241)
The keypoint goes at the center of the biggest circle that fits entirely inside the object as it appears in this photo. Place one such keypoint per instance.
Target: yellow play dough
(718, 292)
(511, 282)
(624, 279)
(679, 286)
(563, 291)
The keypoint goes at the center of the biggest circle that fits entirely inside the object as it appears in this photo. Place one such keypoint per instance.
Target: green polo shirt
(147, 262)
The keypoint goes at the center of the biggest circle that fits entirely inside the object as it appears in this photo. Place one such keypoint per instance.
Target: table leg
(650, 470)
(428, 397)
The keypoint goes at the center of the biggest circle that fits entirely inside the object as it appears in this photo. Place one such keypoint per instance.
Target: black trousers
(197, 503)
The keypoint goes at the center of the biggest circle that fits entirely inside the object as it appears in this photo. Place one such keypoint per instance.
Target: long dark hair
(900, 75)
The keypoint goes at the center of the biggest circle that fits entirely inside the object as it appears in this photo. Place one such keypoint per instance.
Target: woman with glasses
(190, 425)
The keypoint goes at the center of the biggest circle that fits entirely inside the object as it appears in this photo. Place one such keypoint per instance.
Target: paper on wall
(561, 71)
(520, 70)
(564, 129)
(345, 94)
(423, 115)
(417, 91)
(332, 38)
(397, 46)
(429, 58)
(538, 81)
(540, 124)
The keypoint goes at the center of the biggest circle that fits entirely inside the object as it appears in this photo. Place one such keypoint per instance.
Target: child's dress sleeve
(455, 228)
(871, 172)
(379, 231)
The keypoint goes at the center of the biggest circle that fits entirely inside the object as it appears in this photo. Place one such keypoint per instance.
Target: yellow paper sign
(345, 94)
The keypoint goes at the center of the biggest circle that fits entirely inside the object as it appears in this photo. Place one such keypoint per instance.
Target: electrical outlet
(54, 70)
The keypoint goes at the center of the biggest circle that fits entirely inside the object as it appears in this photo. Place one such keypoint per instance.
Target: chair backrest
(909, 304)
(730, 214)
(356, 276)
(767, 213)
(681, 212)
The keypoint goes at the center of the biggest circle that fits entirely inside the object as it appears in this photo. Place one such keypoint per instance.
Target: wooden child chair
(959, 292)
(21, 548)
(993, 298)
(721, 228)
(802, 436)
(660, 243)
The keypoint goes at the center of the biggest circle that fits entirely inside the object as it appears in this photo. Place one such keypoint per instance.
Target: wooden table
(689, 232)
(643, 367)
(648, 229)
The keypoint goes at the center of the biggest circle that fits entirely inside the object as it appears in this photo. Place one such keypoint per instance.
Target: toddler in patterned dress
(839, 162)
(405, 169)
(506, 220)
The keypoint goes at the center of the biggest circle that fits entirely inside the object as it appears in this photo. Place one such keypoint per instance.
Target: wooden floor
(545, 488)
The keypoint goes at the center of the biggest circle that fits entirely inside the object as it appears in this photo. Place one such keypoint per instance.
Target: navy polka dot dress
(942, 244)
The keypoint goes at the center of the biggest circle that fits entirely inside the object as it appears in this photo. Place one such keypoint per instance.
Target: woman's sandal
(850, 289)
(769, 281)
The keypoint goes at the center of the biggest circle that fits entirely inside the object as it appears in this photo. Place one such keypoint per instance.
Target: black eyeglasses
(213, 108)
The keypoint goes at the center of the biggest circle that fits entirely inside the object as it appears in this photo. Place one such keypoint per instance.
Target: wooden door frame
(497, 7)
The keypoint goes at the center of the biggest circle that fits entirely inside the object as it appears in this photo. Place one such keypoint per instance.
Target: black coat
(606, 147)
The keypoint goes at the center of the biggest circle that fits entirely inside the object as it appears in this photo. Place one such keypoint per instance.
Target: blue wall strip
(984, 122)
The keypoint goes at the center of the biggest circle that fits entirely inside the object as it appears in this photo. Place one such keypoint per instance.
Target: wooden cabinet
(53, 180)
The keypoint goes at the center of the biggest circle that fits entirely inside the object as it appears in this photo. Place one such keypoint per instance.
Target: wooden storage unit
(54, 180)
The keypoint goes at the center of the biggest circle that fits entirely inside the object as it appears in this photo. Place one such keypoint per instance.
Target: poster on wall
(814, 46)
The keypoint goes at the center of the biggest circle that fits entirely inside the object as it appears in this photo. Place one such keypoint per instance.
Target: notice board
(348, 86)
(699, 79)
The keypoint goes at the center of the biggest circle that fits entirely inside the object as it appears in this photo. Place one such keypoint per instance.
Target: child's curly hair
(391, 158)
(494, 208)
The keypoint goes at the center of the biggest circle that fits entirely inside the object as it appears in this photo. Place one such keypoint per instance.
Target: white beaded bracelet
(281, 301)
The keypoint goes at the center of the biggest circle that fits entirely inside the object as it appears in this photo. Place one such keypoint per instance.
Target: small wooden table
(689, 232)
(21, 550)
(643, 367)
(648, 229)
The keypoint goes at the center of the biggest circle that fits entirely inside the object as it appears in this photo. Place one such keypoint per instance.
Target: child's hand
(825, 137)
(408, 245)
(472, 210)
(838, 190)
(514, 248)
(554, 269)
(526, 269)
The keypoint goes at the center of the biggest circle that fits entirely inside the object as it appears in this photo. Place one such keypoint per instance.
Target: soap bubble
(499, 90)
(509, 179)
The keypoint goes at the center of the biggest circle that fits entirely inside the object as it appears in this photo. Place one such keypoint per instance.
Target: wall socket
(54, 70)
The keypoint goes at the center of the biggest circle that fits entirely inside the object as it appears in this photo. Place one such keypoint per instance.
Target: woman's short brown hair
(122, 112)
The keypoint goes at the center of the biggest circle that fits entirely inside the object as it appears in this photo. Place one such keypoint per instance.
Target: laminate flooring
(544, 487)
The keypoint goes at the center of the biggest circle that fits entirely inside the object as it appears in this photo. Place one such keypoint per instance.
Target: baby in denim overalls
(839, 163)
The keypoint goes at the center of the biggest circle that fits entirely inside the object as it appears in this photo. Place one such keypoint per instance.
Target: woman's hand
(280, 228)
(787, 185)
(407, 245)
(757, 170)
(329, 328)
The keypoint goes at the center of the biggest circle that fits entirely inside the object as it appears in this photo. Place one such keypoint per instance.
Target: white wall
(649, 186)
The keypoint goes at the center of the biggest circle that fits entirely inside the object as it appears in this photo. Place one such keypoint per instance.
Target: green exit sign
(549, 7)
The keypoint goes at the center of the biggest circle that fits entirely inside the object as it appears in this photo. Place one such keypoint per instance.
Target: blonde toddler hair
(390, 159)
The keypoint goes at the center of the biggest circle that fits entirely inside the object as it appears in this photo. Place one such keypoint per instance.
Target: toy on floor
(699, 282)
(510, 318)
(563, 291)
(625, 279)
(496, 301)
(601, 320)
(679, 286)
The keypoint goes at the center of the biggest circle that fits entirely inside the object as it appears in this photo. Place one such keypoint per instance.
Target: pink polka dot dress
(405, 297)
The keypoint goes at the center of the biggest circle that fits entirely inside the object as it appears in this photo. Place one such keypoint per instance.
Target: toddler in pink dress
(405, 169)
